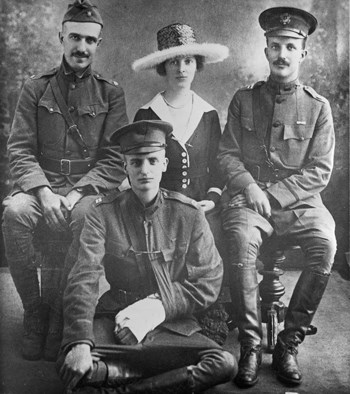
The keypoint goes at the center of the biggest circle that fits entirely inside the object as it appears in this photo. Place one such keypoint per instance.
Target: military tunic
(96, 105)
(289, 152)
(179, 261)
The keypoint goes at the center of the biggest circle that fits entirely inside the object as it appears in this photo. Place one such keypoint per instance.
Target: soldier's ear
(166, 162)
(303, 55)
(60, 37)
(99, 41)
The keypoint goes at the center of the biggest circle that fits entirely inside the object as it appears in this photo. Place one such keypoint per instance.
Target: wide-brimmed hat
(178, 39)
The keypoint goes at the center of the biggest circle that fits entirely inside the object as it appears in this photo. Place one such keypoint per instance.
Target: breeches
(162, 350)
(22, 214)
(311, 228)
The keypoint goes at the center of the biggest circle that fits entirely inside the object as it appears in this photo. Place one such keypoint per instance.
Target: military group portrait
(171, 201)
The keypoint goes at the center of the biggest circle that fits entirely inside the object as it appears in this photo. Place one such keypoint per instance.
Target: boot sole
(284, 379)
(243, 384)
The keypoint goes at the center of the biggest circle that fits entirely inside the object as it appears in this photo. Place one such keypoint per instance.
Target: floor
(324, 358)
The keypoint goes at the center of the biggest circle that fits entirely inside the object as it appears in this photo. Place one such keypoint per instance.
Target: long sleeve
(23, 142)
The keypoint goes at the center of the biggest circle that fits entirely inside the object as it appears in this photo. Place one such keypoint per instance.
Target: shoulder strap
(72, 127)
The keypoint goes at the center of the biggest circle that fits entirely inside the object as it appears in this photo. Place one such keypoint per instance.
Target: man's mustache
(281, 62)
(80, 54)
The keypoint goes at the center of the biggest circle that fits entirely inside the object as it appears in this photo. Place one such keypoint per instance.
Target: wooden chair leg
(271, 290)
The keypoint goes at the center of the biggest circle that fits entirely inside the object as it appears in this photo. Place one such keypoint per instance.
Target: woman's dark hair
(160, 68)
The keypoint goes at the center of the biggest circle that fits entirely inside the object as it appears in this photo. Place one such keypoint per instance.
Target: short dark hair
(160, 68)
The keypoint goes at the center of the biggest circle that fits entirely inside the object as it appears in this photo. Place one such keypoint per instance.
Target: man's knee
(319, 253)
(21, 208)
(217, 362)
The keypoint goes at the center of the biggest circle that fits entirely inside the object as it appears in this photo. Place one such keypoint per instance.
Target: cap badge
(285, 19)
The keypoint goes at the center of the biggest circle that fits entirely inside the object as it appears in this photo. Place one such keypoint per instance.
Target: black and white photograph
(174, 197)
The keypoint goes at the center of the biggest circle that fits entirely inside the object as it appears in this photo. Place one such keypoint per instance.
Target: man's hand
(207, 205)
(257, 200)
(54, 209)
(77, 363)
(238, 201)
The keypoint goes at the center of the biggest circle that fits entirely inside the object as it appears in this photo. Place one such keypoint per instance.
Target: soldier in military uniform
(59, 155)
(277, 154)
(159, 257)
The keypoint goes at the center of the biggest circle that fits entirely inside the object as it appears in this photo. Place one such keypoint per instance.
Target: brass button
(276, 124)
(184, 161)
(73, 86)
(183, 154)
(272, 149)
(71, 109)
(184, 186)
(184, 173)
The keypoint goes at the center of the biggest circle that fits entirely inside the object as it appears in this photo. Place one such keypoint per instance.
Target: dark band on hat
(284, 21)
(144, 136)
(82, 11)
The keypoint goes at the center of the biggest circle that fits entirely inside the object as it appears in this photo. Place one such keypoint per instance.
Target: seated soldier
(158, 254)
(59, 158)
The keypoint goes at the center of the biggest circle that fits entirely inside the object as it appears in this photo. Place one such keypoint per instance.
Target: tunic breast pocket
(51, 125)
(296, 141)
(91, 121)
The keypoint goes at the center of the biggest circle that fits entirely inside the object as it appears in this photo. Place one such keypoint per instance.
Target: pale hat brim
(212, 53)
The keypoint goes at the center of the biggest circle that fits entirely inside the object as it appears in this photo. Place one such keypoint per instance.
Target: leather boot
(249, 325)
(35, 314)
(54, 334)
(248, 366)
(284, 360)
(35, 327)
(173, 382)
(110, 373)
(306, 297)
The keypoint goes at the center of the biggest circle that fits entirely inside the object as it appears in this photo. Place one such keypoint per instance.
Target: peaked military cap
(287, 22)
(144, 136)
(82, 11)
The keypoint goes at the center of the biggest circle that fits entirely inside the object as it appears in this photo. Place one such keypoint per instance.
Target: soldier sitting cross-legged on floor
(158, 254)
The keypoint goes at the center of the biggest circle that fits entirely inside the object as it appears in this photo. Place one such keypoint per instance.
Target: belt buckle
(65, 167)
(122, 296)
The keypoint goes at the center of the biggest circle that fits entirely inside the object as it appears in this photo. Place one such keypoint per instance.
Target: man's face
(145, 171)
(284, 55)
(80, 41)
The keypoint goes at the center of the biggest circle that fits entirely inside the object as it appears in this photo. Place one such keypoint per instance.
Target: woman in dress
(192, 149)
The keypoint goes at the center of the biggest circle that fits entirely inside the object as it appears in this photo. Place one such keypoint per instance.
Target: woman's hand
(207, 205)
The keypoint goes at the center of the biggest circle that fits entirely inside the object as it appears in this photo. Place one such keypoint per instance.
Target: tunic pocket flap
(297, 132)
(93, 110)
(117, 249)
(247, 124)
(50, 105)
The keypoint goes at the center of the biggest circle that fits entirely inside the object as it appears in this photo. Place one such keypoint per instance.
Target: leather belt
(267, 174)
(65, 166)
(125, 297)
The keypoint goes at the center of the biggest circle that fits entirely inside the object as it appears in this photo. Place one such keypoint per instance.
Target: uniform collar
(146, 211)
(282, 88)
(71, 74)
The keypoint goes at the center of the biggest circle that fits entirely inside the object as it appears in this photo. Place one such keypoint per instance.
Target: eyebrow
(83, 36)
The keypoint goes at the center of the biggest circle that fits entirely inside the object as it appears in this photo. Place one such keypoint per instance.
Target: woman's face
(180, 72)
